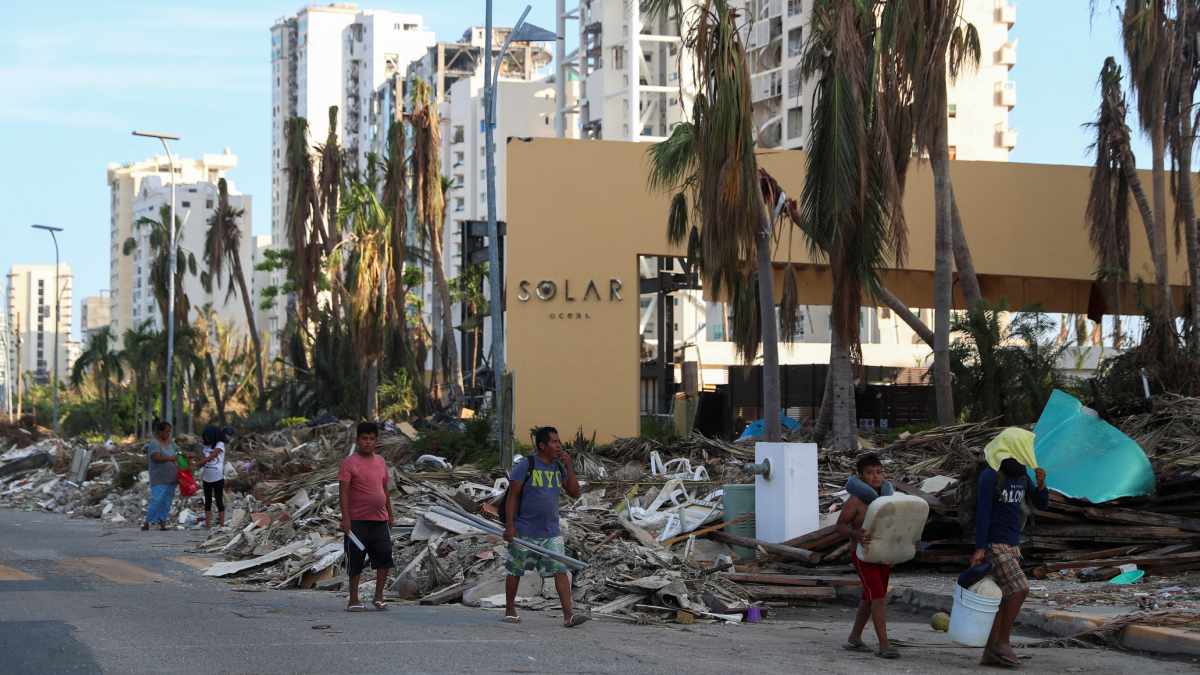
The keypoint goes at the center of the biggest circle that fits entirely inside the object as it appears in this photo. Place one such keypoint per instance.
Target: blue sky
(76, 77)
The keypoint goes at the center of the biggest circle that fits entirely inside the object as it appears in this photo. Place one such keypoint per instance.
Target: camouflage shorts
(521, 559)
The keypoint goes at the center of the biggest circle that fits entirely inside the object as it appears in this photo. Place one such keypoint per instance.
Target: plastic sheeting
(1086, 457)
(758, 428)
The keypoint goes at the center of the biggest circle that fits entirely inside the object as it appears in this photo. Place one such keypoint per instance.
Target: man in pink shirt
(366, 515)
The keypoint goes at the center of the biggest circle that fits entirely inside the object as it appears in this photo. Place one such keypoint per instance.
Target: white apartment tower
(30, 314)
(979, 100)
(194, 204)
(125, 185)
(631, 68)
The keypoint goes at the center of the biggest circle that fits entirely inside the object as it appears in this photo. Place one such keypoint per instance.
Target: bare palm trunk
(372, 377)
(968, 281)
(442, 287)
(911, 320)
(770, 328)
(1164, 308)
(255, 338)
(1187, 205)
(107, 409)
(845, 418)
(218, 400)
(942, 278)
(825, 414)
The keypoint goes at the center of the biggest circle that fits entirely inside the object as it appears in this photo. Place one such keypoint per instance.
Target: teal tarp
(1086, 457)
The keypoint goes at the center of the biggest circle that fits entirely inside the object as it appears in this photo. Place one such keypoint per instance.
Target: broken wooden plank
(224, 569)
(709, 529)
(642, 536)
(624, 602)
(448, 594)
(1142, 561)
(793, 580)
(764, 592)
(816, 535)
(781, 550)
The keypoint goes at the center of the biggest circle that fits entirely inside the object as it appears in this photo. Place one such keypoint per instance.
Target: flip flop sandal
(860, 647)
(356, 608)
(577, 620)
(512, 619)
(380, 605)
(998, 661)
(889, 653)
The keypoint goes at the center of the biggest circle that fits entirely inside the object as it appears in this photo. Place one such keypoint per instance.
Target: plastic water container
(971, 618)
(739, 499)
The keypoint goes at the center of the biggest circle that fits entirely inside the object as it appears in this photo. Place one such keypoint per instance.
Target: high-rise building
(125, 184)
(31, 310)
(94, 314)
(195, 203)
(979, 99)
(332, 55)
(631, 69)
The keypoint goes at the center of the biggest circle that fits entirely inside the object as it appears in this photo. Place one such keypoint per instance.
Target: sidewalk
(915, 593)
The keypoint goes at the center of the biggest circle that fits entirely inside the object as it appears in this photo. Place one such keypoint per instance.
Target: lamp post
(57, 326)
(169, 412)
(491, 72)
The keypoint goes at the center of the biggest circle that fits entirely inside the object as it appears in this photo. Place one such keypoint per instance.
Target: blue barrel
(739, 500)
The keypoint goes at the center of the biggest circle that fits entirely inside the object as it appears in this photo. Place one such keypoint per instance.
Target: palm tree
(139, 355)
(850, 207)
(104, 363)
(369, 280)
(928, 40)
(223, 246)
(306, 234)
(1181, 137)
(708, 164)
(429, 188)
(185, 263)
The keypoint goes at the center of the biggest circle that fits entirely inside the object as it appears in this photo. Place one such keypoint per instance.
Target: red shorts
(874, 577)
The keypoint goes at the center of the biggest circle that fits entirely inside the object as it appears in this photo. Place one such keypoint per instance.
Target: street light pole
(57, 322)
(169, 412)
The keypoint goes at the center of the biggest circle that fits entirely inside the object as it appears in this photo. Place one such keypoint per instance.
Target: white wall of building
(30, 313)
(124, 181)
(194, 205)
(94, 314)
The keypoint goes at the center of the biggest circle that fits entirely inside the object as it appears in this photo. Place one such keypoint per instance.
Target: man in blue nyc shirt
(999, 517)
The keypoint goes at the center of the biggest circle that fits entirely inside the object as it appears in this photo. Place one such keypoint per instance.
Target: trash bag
(187, 484)
(1086, 457)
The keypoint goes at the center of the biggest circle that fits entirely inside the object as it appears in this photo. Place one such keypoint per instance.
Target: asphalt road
(80, 597)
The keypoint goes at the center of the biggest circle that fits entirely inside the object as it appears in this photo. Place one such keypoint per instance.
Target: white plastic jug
(971, 618)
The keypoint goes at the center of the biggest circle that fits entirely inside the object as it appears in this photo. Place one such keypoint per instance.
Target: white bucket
(971, 618)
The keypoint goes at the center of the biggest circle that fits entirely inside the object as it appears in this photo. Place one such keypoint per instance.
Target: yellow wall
(580, 211)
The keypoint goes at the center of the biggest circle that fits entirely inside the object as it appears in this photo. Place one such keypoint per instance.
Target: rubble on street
(649, 526)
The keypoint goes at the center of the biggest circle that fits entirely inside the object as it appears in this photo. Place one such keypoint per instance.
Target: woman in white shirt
(212, 474)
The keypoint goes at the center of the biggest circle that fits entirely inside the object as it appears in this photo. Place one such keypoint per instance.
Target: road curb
(1154, 639)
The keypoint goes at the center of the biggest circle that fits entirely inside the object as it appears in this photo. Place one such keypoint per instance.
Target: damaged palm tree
(709, 167)
(930, 42)
(369, 280)
(428, 189)
(850, 206)
(303, 221)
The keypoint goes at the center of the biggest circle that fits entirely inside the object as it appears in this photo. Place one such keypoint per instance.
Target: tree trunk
(218, 400)
(372, 377)
(968, 281)
(442, 287)
(942, 278)
(107, 409)
(896, 305)
(255, 338)
(770, 327)
(845, 418)
(1187, 205)
(1163, 305)
(825, 415)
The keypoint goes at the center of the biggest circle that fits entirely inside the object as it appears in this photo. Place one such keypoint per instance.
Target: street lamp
(57, 326)
(169, 412)
(530, 33)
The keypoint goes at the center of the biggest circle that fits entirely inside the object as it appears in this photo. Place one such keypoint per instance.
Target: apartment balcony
(1007, 54)
(1006, 94)
(1006, 12)
(769, 9)
(766, 85)
(760, 34)
(1005, 137)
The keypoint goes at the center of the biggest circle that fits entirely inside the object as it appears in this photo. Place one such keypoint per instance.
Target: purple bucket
(753, 615)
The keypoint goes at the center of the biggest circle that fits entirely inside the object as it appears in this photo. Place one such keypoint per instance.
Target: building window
(795, 42)
(795, 7)
(795, 122)
(208, 203)
(885, 313)
(187, 204)
(952, 110)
